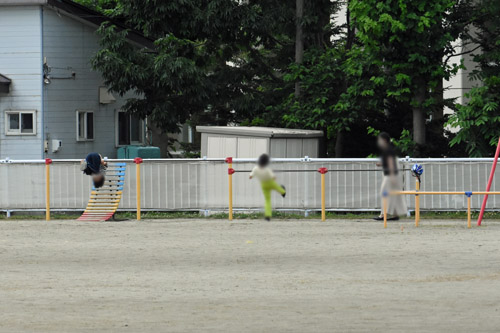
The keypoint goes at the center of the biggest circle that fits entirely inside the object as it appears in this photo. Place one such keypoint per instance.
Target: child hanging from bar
(94, 165)
(268, 182)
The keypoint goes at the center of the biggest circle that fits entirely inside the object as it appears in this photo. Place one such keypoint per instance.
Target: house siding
(68, 46)
(20, 60)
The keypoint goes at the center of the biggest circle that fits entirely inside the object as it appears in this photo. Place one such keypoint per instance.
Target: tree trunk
(339, 145)
(438, 113)
(436, 128)
(299, 39)
(351, 30)
(323, 144)
(419, 114)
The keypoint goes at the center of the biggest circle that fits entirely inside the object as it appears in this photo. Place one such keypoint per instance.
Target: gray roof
(23, 2)
(4, 79)
(81, 12)
(4, 84)
(269, 132)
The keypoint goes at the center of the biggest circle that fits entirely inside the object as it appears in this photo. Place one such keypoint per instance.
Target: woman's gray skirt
(396, 204)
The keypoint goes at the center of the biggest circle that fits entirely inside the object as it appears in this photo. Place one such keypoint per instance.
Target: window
(84, 125)
(20, 122)
(130, 129)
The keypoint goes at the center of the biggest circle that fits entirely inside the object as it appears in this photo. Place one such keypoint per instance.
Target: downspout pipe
(42, 93)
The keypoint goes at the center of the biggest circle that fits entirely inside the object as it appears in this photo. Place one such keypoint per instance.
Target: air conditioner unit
(105, 97)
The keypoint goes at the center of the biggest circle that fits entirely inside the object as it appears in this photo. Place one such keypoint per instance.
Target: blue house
(52, 104)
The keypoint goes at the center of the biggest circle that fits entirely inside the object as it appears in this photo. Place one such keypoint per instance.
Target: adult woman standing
(396, 205)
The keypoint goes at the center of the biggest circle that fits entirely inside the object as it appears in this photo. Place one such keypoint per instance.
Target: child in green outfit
(268, 182)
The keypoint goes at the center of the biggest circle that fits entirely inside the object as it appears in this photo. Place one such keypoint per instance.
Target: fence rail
(201, 184)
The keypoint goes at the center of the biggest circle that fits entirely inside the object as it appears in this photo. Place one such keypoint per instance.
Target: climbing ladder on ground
(104, 201)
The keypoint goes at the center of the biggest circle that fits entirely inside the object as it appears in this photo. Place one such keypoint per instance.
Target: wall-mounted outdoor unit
(105, 97)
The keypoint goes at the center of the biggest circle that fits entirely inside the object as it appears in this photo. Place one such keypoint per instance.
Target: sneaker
(284, 194)
(268, 219)
(381, 218)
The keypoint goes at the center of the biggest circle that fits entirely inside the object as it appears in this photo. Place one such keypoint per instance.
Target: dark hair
(263, 160)
(385, 136)
(87, 171)
(99, 183)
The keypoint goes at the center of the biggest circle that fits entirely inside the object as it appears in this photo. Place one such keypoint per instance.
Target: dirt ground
(249, 276)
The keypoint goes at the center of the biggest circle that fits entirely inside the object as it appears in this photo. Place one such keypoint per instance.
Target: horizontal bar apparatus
(441, 193)
(468, 194)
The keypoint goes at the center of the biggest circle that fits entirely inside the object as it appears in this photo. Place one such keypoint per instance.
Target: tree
(478, 120)
(316, 72)
(299, 39)
(407, 40)
(216, 60)
(104, 6)
(281, 63)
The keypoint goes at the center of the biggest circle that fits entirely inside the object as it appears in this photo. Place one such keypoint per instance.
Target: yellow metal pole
(323, 205)
(230, 195)
(48, 161)
(384, 203)
(484, 193)
(439, 193)
(417, 204)
(468, 212)
(138, 162)
(230, 172)
(138, 175)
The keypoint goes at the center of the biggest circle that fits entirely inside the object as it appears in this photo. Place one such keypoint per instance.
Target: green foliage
(478, 120)
(217, 62)
(167, 83)
(406, 41)
(404, 144)
(221, 62)
(321, 80)
(190, 150)
(107, 7)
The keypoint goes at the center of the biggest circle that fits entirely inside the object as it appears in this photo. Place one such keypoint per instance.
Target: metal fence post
(384, 204)
(469, 217)
(417, 204)
(230, 172)
(323, 171)
(48, 162)
(138, 162)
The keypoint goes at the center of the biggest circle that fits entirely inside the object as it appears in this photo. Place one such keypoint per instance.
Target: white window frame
(8, 131)
(117, 131)
(78, 138)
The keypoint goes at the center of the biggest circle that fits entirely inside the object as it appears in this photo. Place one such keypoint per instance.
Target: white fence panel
(174, 184)
(446, 175)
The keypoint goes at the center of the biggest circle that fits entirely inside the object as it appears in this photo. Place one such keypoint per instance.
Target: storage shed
(250, 142)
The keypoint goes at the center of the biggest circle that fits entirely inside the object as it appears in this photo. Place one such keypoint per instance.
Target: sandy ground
(249, 276)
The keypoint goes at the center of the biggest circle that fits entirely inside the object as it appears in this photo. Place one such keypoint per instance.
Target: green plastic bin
(129, 152)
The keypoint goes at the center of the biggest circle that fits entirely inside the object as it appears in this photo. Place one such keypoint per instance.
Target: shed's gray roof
(268, 132)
